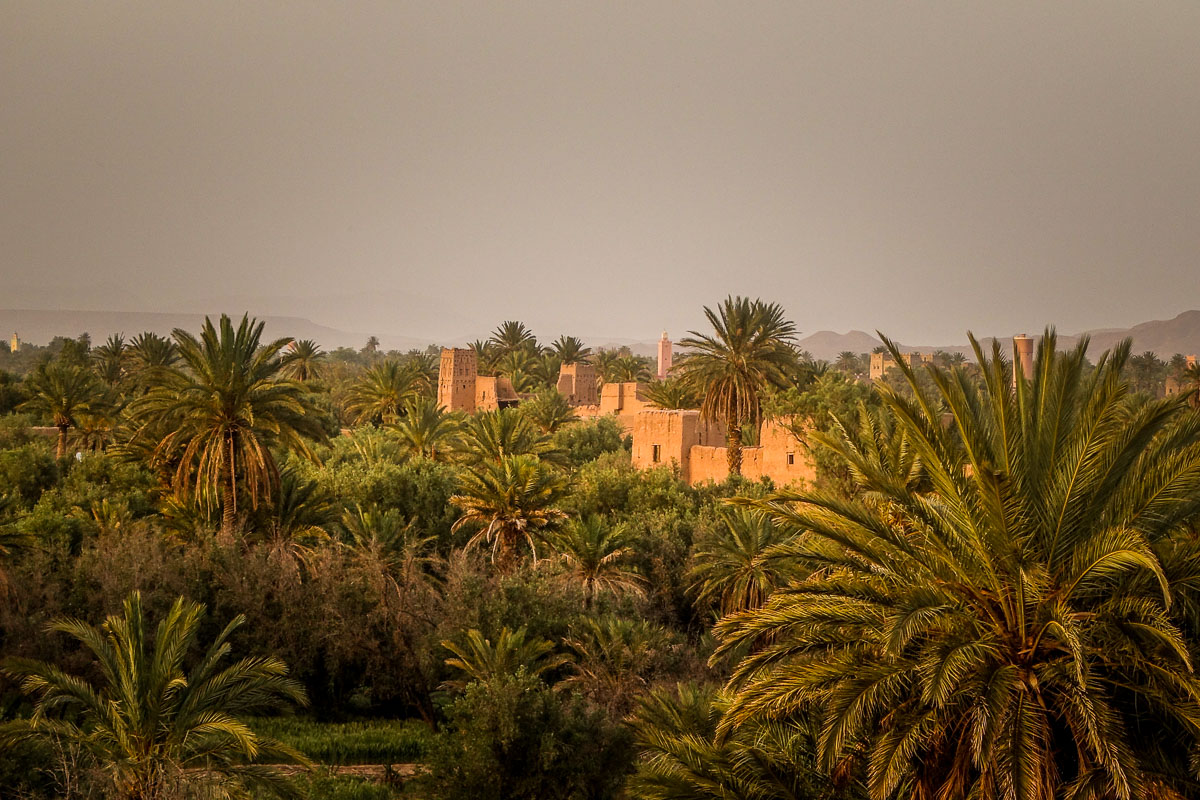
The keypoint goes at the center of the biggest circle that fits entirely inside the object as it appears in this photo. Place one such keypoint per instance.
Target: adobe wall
(699, 449)
(577, 383)
(661, 437)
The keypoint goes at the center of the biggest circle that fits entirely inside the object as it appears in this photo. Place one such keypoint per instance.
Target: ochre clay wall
(698, 448)
(577, 383)
(661, 437)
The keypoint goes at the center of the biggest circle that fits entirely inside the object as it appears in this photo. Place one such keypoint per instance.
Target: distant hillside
(1164, 337)
(39, 327)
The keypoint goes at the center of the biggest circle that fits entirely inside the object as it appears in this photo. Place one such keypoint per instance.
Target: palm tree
(149, 356)
(480, 660)
(570, 350)
(151, 724)
(111, 360)
(682, 756)
(510, 500)
(672, 393)
(593, 551)
(739, 567)
(613, 659)
(750, 350)
(512, 336)
(1020, 629)
(627, 369)
(494, 435)
(848, 361)
(302, 362)
(378, 397)
(549, 411)
(62, 392)
(371, 347)
(219, 420)
(424, 427)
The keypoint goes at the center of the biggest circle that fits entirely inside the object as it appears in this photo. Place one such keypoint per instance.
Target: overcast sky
(605, 168)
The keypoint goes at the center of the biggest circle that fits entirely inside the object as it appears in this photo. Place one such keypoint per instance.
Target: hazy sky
(605, 168)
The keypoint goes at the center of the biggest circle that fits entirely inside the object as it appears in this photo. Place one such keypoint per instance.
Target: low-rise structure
(578, 383)
(882, 362)
(697, 449)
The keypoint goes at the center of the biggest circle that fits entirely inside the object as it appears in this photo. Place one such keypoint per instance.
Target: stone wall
(577, 383)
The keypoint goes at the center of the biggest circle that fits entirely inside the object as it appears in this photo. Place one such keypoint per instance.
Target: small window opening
(791, 459)
(656, 453)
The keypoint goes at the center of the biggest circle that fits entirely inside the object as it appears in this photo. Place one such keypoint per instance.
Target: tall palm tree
(149, 356)
(1022, 628)
(111, 360)
(751, 348)
(570, 350)
(739, 567)
(425, 428)
(218, 420)
(378, 397)
(594, 552)
(672, 393)
(302, 361)
(62, 393)
(848, 361)
(150, 723)
(626, 369)
(511, 336)
(478, 659)
(512, 500)
(494, 435)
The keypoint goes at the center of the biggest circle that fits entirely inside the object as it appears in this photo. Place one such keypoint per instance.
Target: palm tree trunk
(62, 440)
(733, 448)
(228, 493)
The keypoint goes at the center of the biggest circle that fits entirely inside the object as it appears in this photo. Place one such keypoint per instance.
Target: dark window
(791, 459)
(655, 453)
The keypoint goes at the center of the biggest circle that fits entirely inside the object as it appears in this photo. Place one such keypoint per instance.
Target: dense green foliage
(989, 589)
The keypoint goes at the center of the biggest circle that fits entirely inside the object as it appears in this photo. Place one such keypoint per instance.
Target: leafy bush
(513, 738)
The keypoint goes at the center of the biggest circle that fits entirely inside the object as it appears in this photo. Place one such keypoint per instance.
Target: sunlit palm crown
(380, 393)
(221, 414)
(1006, 608)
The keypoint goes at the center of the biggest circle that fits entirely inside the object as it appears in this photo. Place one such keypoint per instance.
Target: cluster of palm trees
(1004, 604)
(1005, 607)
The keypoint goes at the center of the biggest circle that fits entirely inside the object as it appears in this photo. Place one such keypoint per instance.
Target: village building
(579, 384)
(697, 449)
(462, 388)
(882, 362)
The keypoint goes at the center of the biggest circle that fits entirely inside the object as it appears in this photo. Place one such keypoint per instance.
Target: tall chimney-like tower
(1023, 357)
(664, 356)
(15, 344)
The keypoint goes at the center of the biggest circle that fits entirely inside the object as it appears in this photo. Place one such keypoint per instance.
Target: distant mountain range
(1164, 337)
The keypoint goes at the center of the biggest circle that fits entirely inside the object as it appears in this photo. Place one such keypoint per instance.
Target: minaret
(664, 356)
(15, 344)
(1023, 355)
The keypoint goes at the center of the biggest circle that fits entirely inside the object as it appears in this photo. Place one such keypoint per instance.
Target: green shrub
(358, 742)
(513, 738)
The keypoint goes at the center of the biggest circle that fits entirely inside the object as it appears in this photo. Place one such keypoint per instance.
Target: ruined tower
(456, 379)
(664, 356)
(1023, 357)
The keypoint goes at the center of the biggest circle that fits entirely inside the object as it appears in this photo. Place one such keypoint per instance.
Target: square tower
(456, 379)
